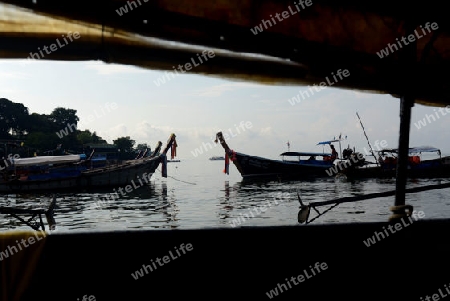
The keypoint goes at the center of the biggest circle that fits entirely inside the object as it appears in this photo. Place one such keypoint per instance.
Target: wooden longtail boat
(418, 166)
(74, 177)
(306, 166)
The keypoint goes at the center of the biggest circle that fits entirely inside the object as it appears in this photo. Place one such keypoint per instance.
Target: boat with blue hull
(69, 173)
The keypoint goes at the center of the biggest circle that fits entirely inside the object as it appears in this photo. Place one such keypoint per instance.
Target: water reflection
(213, 200)
(151, 206)
(249, 196)
(27, 220)
(226, 205)
(246, 200)
(168, 207)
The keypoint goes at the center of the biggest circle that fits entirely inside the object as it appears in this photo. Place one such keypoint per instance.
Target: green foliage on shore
(55, 134)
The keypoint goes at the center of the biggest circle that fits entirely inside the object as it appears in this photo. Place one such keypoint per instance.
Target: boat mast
(370, 146)
(340, 148)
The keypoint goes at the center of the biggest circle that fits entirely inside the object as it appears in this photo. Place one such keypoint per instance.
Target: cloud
(360, 95)
(141, 133)
(13, 75)
(8, 91)
(109, 69)
(145, 132)
(218, 90)
(115, 132)
(266, 131)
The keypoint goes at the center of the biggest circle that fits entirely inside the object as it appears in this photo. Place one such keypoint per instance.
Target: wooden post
(409, 59)
(403, 145)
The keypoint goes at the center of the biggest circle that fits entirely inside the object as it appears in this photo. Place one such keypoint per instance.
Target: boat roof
(304, 154)
(413, 150)
(329, 142)
(42, 160)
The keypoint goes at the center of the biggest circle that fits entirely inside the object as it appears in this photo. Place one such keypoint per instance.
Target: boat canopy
(304, 154)
(329, 142)
(413, 150)
(43, 160)
(424, 149)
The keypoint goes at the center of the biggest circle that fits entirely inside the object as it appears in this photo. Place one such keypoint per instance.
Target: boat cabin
(307, 158)
(418, 157)
(45, 167)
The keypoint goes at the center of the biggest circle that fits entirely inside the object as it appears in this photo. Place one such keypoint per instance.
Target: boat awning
(413, 150)
(42, 160)
(303, 154)
(423, 149)
(328, 142)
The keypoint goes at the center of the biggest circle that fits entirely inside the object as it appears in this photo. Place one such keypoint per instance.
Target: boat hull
(254, 167)
(257, 167)
(130, 173)
(435, 171)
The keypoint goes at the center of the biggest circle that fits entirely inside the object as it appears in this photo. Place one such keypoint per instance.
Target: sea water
(197, 194)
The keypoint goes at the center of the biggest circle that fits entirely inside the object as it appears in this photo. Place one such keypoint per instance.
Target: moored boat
(215, 158)
(72, 174)
(306, 164)
(423, 162)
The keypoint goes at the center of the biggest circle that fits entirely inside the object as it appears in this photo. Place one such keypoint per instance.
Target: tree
(40, 123)
(62, 117)
(85, 137)
(125, 147)
(42, 141)
(54, 132)
(142, 147)
(13, 119)
(66, 120)
(96, 139)
(124, 144)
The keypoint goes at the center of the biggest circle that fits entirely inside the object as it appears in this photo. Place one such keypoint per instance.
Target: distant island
(217, 158)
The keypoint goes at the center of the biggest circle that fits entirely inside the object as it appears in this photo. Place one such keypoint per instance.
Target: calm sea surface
(197, 194)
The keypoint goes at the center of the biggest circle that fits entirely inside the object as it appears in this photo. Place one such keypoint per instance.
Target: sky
(118, 100)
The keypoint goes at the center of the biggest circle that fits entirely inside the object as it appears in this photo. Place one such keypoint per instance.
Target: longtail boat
(305, 164)
(423, 162)
(69, 172)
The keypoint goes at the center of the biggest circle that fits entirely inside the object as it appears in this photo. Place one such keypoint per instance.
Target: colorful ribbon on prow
(227, 164)
(231, 155)
(173, 149)
(172, 144)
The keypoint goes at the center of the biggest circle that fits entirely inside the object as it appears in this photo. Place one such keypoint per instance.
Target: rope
(400, 211)
(178, 179)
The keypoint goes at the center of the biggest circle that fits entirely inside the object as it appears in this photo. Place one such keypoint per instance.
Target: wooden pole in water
(409, 58)
(406, 104)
